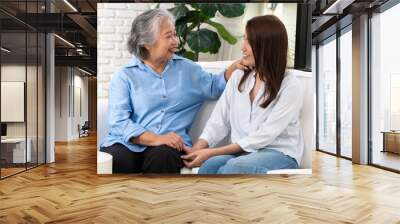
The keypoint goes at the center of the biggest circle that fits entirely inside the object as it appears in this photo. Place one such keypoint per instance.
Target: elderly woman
(154, 98)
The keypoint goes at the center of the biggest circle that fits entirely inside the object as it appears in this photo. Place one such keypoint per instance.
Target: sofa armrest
(104, 163)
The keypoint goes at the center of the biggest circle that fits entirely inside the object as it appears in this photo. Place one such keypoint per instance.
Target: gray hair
(145, 29)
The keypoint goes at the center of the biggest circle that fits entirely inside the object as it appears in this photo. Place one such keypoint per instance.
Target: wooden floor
(10, 171)
(70, 191)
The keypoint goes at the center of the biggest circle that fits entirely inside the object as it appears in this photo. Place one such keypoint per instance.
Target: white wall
(113, 26)
(68, 82)
(79, 117)
(287, 12)
(33, 126)
(61, 103)
(12, 73)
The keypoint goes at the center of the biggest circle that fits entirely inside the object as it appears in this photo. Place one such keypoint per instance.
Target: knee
(235, 166)
(211, 165)
(237, 163)
(162, 160)
(228, 168)
(162, 154)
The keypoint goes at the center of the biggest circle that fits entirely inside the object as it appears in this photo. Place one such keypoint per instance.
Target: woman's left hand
(197, 157)
(239, 64)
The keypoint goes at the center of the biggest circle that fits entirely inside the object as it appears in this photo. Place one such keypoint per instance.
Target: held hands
(171, 139)
(195, 157)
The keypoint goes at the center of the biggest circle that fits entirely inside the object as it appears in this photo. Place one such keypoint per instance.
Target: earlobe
(147, 47)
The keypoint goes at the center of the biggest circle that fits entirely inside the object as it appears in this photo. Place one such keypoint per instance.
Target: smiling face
(166, 44)
(266, 39)
(248, 57)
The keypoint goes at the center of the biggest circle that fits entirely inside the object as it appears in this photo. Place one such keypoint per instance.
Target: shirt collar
(136, 62)
(249, 83)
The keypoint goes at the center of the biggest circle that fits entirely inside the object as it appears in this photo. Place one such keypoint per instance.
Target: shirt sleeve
(121, 109)
(286, 109)
(212, 85)
(218, 125)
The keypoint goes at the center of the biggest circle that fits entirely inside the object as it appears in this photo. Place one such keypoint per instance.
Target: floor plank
(70, 191)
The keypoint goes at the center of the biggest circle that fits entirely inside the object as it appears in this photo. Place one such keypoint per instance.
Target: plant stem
(197, 53)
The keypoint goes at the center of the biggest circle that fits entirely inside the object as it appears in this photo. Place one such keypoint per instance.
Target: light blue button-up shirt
(141, 100)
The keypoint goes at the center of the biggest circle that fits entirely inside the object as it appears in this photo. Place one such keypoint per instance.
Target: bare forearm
(226, 150)
(147, 138)
(239, 64)
(229, 71)
(200, 144)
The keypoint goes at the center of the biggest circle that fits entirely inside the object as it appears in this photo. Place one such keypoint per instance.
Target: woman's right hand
(171, 139)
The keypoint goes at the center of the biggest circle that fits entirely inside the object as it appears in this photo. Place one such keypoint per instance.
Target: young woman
(260, 108)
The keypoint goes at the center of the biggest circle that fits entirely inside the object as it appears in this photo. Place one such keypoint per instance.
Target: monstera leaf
(207, 9)
(189, 21)
(204, 40)
(179, 11)
(231, 10)
(222, 32)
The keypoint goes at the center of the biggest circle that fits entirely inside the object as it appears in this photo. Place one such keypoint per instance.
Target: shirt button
(162, 111)
(158, 126)
(164, 96)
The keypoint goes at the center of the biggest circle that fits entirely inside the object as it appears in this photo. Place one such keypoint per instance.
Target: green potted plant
(190, 17)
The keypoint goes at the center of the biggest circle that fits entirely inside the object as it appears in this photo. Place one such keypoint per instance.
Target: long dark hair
(268, 39)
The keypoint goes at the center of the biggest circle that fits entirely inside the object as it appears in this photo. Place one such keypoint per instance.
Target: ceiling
(74, 22)
(328, 16)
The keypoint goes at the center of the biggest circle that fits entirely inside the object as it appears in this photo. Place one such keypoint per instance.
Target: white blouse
(252, 127)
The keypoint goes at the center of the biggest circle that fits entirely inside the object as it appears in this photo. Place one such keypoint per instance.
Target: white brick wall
(113, 25)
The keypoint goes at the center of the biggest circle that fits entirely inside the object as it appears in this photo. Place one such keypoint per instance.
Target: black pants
(159, 159)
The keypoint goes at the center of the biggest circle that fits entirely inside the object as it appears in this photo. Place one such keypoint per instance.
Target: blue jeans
(248, 163)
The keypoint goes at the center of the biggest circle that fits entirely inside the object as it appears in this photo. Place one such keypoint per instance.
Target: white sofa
(104, 160)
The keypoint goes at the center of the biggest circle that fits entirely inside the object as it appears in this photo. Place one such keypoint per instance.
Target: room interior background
(358, 85)
(384, 87)
(22, 77)
(44, 95)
